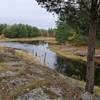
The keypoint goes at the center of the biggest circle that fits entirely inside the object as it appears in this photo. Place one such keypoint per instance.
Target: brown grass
(37, 76)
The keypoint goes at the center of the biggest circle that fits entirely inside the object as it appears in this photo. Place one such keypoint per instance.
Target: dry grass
(26, 57)
(70, 55)
(67, 54)
(36, 75)
(45, 39)
(20, 90)
(81, 84)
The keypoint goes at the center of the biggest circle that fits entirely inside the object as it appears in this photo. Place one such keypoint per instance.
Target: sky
(26, 12)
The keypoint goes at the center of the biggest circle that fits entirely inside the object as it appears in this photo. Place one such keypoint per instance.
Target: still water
(69, 67)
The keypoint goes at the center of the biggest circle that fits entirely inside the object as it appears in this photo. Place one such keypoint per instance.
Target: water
(69, 67)
(40, 50)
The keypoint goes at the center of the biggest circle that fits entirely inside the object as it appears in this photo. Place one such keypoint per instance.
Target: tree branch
(84, 4)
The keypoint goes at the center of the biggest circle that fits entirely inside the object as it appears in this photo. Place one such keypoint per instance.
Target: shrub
(63, 32)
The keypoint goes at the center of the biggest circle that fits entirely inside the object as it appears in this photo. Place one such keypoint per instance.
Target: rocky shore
(22, 77)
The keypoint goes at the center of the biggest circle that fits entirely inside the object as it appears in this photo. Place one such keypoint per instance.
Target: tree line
(23, 31)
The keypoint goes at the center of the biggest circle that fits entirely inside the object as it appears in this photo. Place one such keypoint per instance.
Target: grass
(26, 57)
(20, 90)
(81, 84)
(66, 54)
(38, 76)
(70, 55)
(50, 40)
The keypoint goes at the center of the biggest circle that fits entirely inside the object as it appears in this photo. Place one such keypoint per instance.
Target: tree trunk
(91, 50)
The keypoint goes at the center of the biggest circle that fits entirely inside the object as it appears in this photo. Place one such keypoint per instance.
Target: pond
(69, 67)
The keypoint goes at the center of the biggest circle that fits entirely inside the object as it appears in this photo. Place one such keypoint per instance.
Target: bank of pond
(72, 68)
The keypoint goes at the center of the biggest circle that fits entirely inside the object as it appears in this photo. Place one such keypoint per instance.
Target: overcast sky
(26, 12)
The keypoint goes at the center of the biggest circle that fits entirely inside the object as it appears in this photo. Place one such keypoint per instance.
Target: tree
(19, 30)
(92, 9)
(63, 32)
(2, 26)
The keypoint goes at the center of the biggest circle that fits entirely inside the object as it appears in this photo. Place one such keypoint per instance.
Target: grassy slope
(36, 75)
(70, 55)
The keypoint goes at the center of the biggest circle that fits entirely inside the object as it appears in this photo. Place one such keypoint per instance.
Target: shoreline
(21, 74)
(74, 53)
(49, 40)
(30, 61)
(42, 75)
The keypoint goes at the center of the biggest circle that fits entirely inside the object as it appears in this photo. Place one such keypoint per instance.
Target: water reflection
(40, 50)
(71, 68)
(76, 69)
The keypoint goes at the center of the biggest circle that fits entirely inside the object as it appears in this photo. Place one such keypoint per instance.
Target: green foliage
(2, 26)
(19, 30)
(80, 39)
(98, 35)
(63, 32)
(73, 11)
